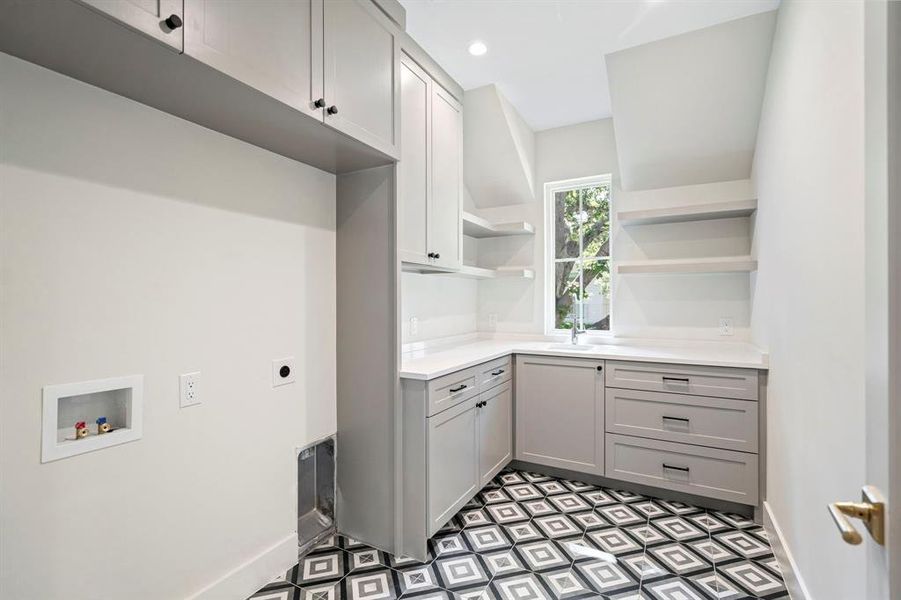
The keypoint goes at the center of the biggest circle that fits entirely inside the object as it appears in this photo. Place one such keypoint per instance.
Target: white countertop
(428, 363)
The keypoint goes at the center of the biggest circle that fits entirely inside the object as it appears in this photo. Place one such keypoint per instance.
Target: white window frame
(551, 188)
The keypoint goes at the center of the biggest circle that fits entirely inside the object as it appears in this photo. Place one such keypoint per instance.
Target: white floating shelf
(483, 273)
(681, 214)
(724, 264)
(477, 227)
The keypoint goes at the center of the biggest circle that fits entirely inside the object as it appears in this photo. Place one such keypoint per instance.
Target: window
(578, 268)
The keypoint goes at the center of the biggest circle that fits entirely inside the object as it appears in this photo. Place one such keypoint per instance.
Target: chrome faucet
(575, 332)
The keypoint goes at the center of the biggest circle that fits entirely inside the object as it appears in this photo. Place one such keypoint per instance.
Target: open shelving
(690, 212)
(719, 264)
(477, 227)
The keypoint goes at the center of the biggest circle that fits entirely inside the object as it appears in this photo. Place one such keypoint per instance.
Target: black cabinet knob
(173, 22)
(319, 103)
(600, 368)
(437, 256)
(332, 110)
(431, 255)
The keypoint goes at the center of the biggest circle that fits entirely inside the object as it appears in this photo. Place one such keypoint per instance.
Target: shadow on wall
(105, 138)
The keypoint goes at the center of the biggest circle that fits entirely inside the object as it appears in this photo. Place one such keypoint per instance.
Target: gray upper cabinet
(495, 431)
(414, 173)
(560, 412)
(429, 173)
(445, 222)
(361, 73)
(274, 47)
(453, 477)
(160, 19)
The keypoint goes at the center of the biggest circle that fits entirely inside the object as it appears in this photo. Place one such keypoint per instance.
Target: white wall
(809, 298)
(443, 305)
(135, 242)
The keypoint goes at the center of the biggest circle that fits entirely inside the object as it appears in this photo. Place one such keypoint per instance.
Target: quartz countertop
(438, 360)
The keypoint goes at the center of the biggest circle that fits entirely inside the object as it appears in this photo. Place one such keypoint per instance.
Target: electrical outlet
(725, 326)
(414, 326)
(189, 389)
(492, 321)
(283, 371)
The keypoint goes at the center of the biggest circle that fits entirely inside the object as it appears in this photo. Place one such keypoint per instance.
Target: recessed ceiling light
(478, 48)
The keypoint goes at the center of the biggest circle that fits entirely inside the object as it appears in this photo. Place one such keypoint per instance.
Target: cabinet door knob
(437, 256)
(319, 103)
(332, 110)
(173, 22)
(431, 255)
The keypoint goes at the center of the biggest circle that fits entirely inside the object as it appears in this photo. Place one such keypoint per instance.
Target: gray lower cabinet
(709, 472)
(457, 435)
(495, 431)
(453, 467)
(560, 412)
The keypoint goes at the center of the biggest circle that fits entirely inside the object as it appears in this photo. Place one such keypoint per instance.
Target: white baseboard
(244, 580)
(795, 585)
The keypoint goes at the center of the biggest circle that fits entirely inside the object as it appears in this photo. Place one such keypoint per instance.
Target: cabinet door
(362, 61)
(414, 175)
(560, 412)
(445, 220)
(147, 16)
(273, 46)
(453, 470)
(495, 431)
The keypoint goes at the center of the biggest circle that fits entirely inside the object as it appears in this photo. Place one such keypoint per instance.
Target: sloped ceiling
(686, 108)
(498, 150)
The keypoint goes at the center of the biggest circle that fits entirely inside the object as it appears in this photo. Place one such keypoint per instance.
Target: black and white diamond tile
(743, 543)
(528, 536)
(753, 579)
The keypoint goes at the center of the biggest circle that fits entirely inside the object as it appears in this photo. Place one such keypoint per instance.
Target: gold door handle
(870, 510)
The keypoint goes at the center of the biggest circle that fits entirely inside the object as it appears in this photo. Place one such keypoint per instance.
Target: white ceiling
(547, 56)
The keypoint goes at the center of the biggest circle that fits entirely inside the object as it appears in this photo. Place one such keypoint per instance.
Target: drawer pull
(675, 379)
(675, 468)
(496, 373)
(679, 422)
(458, 389)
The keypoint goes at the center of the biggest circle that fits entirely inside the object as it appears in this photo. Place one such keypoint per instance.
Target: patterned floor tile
(487, 539)
(542, 555)
(279, 590)
(679, 559)
(558, 526)
(374, 585)
(527, 536)
(461, 572)
(679, 529)
(743, 543)
(567, 584)
(753, 579)
(526, 586)
(505, 562)
(615, 541)
(418, 579)
(605, 577)
(672, 588)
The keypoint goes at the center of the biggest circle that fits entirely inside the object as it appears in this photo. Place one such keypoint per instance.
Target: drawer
(452, 389)
(494, 373)
(722, 382)
(720, 474)
(714, 422)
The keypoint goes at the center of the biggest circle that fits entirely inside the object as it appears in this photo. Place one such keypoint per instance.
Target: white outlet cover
(726, 326)
(283, 378)
(189, 389)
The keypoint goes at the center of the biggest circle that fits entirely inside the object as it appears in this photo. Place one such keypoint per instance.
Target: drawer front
(450, 390)
(495, 373)
(721, 382)
(713, 422)
(720, 474)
